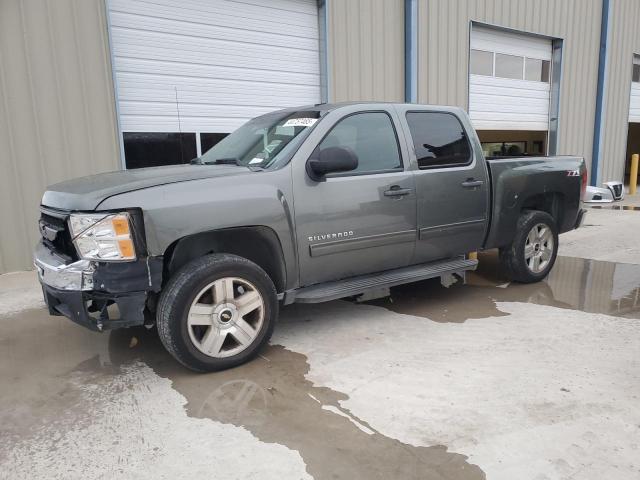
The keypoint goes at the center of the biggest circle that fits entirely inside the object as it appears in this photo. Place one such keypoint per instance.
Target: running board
(349, 287)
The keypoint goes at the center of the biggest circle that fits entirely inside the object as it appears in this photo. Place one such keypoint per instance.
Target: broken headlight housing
(103, 236)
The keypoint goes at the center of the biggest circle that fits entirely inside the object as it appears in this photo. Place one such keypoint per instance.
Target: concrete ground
(485, 380)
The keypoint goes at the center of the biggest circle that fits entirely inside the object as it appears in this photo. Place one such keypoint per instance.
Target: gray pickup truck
(306, 204)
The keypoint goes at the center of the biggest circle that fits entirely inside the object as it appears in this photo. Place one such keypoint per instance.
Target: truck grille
(55, 233)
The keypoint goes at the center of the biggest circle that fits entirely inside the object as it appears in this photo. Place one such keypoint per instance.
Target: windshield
(261, 141)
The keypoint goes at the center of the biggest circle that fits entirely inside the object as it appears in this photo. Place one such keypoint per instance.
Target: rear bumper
(99, 296)
(582, 214)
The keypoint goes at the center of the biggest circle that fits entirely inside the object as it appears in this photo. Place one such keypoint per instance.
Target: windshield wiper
(224, 161)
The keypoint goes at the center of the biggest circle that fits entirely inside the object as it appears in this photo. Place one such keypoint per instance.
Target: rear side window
(439, 140)
(371, 136)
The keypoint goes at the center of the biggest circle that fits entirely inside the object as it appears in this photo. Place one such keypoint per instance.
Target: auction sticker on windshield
(300, 122)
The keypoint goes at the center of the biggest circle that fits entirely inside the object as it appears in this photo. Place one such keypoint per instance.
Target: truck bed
(550, 183)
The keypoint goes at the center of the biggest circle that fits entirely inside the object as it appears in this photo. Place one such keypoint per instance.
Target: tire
(527, 264)
(217, 312)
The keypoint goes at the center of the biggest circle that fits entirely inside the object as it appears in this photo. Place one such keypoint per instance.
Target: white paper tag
(256, 160)
(300, 122)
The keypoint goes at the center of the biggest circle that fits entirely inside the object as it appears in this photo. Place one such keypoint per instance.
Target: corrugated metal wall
(366, 50)
(623, 42)
(57, 117)
(443, 43)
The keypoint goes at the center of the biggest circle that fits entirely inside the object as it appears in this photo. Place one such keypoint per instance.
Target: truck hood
(86, 193)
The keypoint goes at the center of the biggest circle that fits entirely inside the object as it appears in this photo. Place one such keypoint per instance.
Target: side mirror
(331, 160)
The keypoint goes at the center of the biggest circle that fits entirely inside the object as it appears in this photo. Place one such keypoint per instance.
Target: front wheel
(533, 252)
(217, 312)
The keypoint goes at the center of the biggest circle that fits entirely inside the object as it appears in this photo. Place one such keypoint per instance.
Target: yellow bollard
(633, 176)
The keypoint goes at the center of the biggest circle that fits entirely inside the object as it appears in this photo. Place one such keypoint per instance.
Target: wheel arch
(503, 226)
(552, 203)
(259, 244)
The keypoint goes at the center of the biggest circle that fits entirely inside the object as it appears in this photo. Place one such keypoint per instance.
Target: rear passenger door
(451, 185)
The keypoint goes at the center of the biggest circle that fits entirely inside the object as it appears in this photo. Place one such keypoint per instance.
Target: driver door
(362, 221)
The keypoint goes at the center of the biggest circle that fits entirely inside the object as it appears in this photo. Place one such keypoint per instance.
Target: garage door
(193, 70)
(509, 80)
(634, 105)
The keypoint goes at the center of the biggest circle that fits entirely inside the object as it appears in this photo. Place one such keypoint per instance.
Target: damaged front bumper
(98, 295)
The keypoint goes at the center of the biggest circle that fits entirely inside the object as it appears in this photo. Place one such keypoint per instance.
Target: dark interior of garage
(633, 146)
(500, 143)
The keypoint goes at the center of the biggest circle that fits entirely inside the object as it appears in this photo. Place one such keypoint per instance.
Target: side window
(439, 140)
(371, 136)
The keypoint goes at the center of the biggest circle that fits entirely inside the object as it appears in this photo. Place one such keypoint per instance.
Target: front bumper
(99, 296)
(54, 272)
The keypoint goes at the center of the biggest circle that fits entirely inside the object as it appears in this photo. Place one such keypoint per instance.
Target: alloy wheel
(225, 317)
(538, 248)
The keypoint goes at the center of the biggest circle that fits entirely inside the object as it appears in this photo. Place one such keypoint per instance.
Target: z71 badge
(330, 236)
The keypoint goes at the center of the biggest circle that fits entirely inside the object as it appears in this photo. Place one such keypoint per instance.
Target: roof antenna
(175, 88)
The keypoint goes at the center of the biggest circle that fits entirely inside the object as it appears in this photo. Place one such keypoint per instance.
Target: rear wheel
(217, 312)
(533, 252)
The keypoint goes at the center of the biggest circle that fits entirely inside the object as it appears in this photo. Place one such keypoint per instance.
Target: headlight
(102, 236)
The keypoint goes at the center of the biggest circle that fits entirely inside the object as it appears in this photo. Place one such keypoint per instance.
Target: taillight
(582, 173)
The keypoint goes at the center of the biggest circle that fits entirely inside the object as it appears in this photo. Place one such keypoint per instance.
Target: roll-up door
(509, 80)
(194, 70)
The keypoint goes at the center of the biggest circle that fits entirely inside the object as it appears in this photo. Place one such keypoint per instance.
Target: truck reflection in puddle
(273, 399)
(575, 283)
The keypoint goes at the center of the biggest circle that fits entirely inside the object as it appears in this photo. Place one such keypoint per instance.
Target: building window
(537, 70)
(509, 66)
(439, 140)
(502, 65)
(208, 140)
(156, 149)
(371, 136)
(481, 62)
(636, 73)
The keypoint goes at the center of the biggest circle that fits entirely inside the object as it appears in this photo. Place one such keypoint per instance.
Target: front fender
(178, 210)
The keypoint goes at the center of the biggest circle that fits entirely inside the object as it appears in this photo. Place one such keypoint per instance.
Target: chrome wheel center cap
(225, 314)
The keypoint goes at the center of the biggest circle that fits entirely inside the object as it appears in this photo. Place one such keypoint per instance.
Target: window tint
(155, 149)
(439, 139)
(636, 73)
(481, 62)
(371, 136)
(509, 66)
(536, 70)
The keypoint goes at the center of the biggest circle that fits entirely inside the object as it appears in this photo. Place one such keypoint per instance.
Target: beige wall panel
(443, 50)
(623, 42)
(57, 113)
(366, 50)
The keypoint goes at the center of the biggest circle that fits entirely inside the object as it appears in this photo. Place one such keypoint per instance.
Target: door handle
(397, 191)
(471, 183)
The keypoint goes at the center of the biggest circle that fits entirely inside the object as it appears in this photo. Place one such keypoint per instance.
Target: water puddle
(574, 283)
(272, 398)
